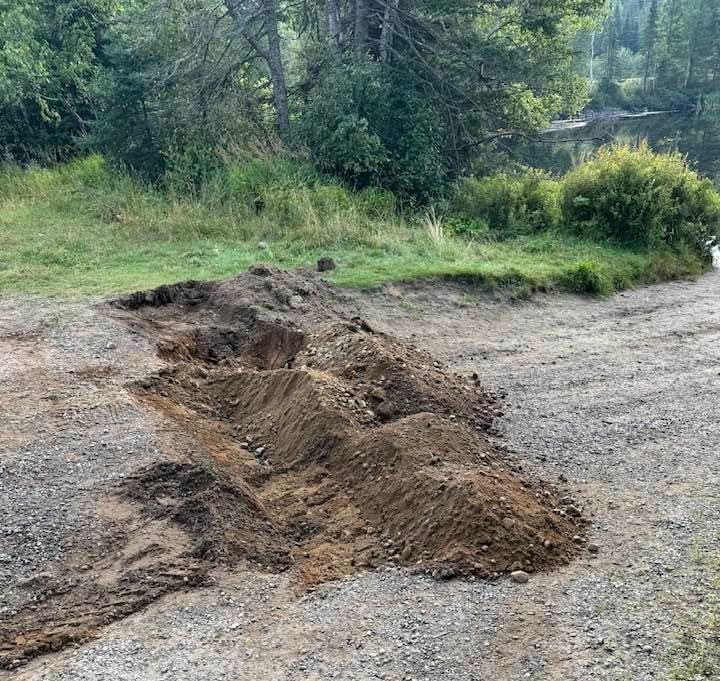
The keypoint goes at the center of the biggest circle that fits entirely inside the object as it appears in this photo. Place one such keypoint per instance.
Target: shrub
(369, 127)
(262, 177)
(587, 278)
(608, 95)
(509, 204)
(638, 198)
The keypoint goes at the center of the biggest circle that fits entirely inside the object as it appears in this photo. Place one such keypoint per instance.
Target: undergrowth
(86, 229)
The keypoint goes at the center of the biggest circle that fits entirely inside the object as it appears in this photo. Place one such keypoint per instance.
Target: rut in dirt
(304, 440)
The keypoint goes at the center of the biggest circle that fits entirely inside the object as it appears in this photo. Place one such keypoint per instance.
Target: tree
(403, 94)
(50, 53)
(468, 68)
(613, 30)
(257, 23)
(650, 38)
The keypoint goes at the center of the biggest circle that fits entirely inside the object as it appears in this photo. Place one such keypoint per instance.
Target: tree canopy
(657, 52)
(405, 94)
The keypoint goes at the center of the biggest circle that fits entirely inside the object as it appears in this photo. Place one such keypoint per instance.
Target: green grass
(696, 653)
(82, 230)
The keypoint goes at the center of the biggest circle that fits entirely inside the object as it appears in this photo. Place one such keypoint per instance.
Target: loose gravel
(618, 397)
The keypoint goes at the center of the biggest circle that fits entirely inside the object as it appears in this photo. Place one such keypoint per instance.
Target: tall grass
(84, 228)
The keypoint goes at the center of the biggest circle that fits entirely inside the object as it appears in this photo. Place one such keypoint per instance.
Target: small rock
(508, 523)
(325, 264)
(378, 394)
(593, 548)
(520, 576)
(385, 410)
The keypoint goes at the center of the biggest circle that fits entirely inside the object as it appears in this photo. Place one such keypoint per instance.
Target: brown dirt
(298, 438)
(355, 449)
(141, 563)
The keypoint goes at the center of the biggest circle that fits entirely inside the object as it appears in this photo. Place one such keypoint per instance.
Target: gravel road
(619, 396)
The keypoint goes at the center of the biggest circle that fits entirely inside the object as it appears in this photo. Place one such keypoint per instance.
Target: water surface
(696, 136)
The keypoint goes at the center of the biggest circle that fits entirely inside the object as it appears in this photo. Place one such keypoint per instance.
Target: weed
(434, 227)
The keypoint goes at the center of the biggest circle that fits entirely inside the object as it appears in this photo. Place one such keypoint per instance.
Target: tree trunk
(388, 27)
(333, 16)
(651, 36)
(277, 71)
(361, 26)
(245, 23)
(612, 47)
(690, 71)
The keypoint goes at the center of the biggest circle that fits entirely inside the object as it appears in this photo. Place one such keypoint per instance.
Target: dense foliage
(49, 60)
(640, 198)
(406, 95)
(630, 197)
(508, 205)
(656, 53)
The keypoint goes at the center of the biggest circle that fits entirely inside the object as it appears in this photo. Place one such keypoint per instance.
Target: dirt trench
(297, 439)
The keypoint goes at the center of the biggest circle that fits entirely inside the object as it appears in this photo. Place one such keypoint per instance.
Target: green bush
(509, 205)
(368, 126)
(261, 177)
(587, 278)
(637, 198)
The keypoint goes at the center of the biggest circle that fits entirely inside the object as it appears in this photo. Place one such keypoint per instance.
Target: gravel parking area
(616, 398)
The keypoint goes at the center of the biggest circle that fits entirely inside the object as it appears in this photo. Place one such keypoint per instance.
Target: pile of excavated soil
(295, 437)
(350, 448)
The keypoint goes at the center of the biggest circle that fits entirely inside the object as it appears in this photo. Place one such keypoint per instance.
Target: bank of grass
(83, 229)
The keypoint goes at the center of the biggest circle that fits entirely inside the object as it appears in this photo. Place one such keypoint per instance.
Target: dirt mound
(221, 512)
(401, 444)
(395, 379)
(296, 438)
(296, 294)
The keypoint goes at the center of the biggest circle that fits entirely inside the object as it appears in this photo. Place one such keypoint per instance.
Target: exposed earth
(267, 478)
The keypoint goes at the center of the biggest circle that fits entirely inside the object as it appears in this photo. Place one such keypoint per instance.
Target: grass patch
(82, 230)
(696, 653)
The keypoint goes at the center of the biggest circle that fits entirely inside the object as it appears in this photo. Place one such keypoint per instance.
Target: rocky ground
(615, 399)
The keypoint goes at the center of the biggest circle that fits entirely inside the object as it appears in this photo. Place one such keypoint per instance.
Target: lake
(698, 137)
